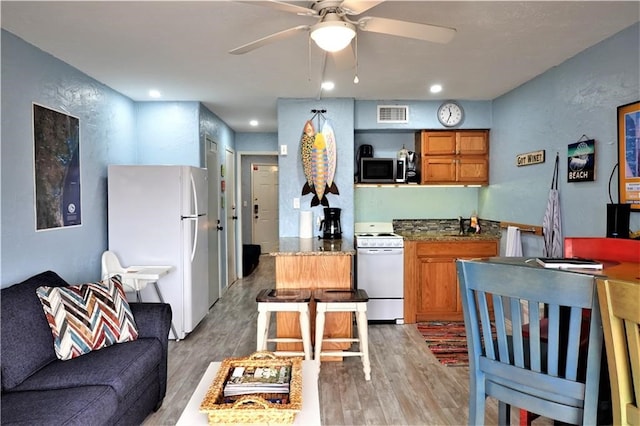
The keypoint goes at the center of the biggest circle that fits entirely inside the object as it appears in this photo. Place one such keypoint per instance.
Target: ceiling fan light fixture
(333, 36)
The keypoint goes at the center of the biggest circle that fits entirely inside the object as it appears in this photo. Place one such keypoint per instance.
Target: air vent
(393, 114)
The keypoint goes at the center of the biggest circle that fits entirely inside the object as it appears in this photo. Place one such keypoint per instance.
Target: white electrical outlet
(296, 203)
(283, 150)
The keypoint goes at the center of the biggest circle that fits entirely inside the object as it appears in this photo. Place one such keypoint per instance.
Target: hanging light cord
(356, 79)
(611, 177)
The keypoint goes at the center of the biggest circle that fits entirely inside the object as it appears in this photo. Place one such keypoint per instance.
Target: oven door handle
(381, 251)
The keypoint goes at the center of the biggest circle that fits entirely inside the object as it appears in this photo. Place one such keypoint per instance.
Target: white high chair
(135, 278)
(111, 266)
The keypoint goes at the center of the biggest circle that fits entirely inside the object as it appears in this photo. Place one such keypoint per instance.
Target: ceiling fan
(334, 29)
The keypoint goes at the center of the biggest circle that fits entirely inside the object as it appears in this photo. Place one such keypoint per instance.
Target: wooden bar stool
(284, 300)
(343, 300)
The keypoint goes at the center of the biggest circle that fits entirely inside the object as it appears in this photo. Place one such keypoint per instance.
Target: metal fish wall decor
(318, 152)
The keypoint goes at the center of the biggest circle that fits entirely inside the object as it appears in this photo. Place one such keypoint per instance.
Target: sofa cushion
(121, 366)
(87, 405)
(21, 315)
(87, 317)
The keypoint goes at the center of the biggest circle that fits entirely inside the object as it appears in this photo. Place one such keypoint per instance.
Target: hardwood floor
(408, 386)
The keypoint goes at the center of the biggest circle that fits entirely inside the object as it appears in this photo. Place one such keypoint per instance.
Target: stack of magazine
(249, 380)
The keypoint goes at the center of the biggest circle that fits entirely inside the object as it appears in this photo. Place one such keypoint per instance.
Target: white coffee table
(308, 416)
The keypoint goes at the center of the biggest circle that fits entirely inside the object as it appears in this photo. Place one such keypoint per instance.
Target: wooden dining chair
(600, 248)
(545, 377)
(620, 307)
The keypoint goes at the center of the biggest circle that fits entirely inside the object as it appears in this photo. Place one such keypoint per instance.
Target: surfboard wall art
(318, 152)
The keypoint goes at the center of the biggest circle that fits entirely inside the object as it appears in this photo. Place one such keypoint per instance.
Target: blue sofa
(120, 384)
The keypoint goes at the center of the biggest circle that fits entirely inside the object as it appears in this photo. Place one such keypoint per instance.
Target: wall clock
(450, 114)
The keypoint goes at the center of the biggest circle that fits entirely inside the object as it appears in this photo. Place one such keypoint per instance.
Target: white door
(264, 195)
(213, 169)
(232, 215)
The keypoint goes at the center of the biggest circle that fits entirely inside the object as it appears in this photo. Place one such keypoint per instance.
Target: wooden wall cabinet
(447, 157)
(431, 289)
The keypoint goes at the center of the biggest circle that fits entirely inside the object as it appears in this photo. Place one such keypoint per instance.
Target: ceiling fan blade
(286, 7)
(426, 32)
(268, 39)
(344, 59)
(356, 7)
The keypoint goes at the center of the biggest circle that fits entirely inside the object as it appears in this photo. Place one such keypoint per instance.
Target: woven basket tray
(253, 408)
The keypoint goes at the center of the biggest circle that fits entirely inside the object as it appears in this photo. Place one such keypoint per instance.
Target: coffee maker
(330, 225)
(364, 151)
(412, 174)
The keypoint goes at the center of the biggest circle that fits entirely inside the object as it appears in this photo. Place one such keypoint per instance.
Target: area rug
(447, 341)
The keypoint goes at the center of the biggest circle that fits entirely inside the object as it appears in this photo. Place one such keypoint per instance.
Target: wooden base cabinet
(431, 284)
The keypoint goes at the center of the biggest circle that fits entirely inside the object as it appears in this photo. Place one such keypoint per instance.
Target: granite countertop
(447, 236)
(294, 246)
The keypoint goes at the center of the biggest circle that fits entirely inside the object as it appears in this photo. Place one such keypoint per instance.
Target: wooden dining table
(627, 271)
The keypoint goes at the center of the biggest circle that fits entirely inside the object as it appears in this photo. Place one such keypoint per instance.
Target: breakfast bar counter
(313, 263)
(292, 246)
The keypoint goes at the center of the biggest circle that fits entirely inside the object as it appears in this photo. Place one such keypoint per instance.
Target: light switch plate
(296, 203)
(283, 150)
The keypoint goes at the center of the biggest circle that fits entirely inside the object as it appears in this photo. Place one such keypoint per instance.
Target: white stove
(380, 270)
(377, 235)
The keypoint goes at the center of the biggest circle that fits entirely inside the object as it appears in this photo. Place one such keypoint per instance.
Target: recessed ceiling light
(436, 88)
(328, 85)
(253, 123)
(154, 93)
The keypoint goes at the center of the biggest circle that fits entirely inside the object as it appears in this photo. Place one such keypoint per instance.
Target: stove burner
(385, 235)
(365, 235)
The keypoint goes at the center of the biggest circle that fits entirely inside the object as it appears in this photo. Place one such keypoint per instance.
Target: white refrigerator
(158, 216)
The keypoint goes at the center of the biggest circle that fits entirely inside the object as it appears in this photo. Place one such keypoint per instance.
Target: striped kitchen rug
(447, 341)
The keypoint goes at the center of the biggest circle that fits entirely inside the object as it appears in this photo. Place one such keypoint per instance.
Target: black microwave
(382, 170)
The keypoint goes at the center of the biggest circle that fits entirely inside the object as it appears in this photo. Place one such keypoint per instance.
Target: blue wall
(422, 115)
(107, 133)
(292, 116)
(578, 97)
(383, 204)
(113, 130)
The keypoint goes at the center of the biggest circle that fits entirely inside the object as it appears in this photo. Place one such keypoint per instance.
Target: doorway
(231, 215)
(264, 196)
(215, 260)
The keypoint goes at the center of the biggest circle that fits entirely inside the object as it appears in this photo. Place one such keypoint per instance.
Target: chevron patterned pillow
(87, 317)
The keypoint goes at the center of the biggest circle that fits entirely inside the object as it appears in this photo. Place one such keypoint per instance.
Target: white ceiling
(181, 47)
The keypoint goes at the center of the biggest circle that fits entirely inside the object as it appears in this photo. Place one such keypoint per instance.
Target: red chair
(612, 249)
(599, 248)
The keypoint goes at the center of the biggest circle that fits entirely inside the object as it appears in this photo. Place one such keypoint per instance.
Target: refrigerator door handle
(194, 194)
(195, 236)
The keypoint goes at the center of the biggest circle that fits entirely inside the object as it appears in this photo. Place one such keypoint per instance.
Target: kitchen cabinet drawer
(437, 143)
(457, 249)
(472, 169)
(439, 169)
(473, 142)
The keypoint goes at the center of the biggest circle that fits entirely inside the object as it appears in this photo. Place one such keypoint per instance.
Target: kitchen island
(313, 263)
